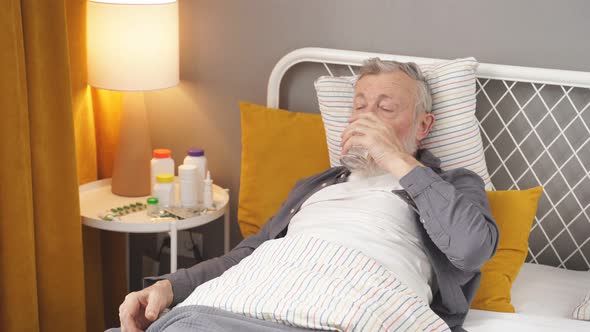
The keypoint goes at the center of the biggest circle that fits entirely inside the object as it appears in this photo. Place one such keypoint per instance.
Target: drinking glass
(355, 158)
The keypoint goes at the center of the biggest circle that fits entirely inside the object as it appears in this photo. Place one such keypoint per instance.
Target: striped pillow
(455, 137)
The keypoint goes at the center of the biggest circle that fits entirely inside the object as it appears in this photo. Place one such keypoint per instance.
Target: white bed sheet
(544, 298)
(489, 321)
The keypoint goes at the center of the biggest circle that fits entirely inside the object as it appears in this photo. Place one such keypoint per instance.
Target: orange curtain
(41, 258)
(55, 134)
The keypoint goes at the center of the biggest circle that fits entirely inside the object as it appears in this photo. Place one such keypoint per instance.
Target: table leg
(128, 262)
(173, 246)
(226, 227)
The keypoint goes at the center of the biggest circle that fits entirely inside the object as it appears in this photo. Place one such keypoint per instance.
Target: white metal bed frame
(558, 237)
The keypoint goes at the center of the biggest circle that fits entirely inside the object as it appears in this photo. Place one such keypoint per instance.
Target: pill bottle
(187, 180)
(164, 190)
(196, 156)
(162, 163)
(153, 207)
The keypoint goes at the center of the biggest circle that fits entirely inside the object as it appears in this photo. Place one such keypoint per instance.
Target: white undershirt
(365, 215)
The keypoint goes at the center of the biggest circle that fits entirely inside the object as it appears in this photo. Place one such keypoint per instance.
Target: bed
(543, 296)
(534, 125)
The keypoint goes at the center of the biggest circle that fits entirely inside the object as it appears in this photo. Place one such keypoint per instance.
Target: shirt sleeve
(454, 209)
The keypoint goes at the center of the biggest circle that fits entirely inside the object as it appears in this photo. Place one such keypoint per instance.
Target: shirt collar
(428, 159)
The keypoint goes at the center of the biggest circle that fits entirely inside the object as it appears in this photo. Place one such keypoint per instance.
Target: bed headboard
(535, 126)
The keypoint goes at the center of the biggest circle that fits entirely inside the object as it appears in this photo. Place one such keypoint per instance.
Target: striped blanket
(311, 283)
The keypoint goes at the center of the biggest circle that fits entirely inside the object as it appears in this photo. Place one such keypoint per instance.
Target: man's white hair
(376, 66)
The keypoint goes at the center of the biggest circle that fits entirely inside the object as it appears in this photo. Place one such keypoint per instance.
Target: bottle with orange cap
(162, 163)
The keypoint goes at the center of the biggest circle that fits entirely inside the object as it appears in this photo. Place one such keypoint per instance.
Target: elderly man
(432, 230)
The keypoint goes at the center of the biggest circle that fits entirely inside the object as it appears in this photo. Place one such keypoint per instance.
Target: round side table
(96, 197)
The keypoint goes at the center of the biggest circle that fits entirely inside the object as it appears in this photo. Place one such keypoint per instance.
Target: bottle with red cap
(162, 163)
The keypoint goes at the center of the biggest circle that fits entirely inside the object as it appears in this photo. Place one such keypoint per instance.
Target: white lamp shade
(132, 45)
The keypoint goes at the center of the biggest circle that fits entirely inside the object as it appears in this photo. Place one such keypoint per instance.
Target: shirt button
(292, 210)
(324, 184)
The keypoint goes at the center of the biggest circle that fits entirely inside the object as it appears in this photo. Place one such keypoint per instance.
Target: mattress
(544, 298)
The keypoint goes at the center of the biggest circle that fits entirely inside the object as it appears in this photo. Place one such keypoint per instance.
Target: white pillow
(582, 311)
(455, 137)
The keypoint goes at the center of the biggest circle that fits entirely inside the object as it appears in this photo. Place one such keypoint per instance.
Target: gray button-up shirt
(458, 231)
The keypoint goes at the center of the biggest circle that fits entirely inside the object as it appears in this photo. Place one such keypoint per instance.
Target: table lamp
(132, 46)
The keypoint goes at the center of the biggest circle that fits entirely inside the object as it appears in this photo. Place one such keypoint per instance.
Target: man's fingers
(155, 304)
(360, 129)
(127, 322)
(354, 141)
(352, 131)
(128, 310)
(357, 128)
(378, 126)
(364, 115)
(360, 124)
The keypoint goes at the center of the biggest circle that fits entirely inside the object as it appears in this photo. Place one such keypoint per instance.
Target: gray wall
(228, 49)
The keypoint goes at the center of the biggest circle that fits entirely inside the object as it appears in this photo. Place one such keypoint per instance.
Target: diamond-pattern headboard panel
(536, 134)
(533, 134)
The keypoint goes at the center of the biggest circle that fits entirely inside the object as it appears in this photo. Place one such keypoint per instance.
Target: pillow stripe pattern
(335, 95)
(455, 137)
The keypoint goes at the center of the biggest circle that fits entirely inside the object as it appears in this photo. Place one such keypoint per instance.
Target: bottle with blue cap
(196, 156)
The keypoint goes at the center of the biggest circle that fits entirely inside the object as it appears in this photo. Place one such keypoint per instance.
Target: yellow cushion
(278, 148)
(514, 211)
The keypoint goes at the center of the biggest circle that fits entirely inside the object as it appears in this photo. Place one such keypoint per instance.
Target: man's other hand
(141, 308)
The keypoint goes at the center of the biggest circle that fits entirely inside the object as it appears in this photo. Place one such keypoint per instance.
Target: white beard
(409, 142)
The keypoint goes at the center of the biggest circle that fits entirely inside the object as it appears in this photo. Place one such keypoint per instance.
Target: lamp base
(131, 168)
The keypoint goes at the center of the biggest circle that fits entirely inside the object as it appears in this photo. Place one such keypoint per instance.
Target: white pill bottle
(162, 163)
(196, 156)
(164, 190)
(188, 185)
